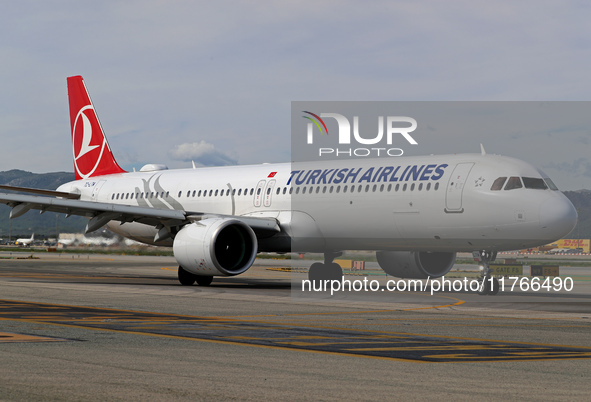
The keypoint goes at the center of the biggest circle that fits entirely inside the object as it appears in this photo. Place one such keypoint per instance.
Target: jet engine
(215, 246)
(415, 265)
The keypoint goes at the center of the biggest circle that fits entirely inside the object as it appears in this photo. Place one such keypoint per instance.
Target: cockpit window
(550, 184)
(498, 184)
(534, 183)
(513, 183)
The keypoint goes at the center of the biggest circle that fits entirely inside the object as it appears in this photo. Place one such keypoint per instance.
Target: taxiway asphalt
(98, 327)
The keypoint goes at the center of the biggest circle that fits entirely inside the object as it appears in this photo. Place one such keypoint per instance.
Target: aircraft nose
(558, 217)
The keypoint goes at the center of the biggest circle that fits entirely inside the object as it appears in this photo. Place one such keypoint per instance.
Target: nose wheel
(488, 284)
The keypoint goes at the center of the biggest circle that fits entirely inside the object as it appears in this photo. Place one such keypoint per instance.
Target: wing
(99, 213)
(72, 196)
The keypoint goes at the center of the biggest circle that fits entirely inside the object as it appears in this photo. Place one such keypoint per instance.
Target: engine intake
(215, 246)
(415, 265)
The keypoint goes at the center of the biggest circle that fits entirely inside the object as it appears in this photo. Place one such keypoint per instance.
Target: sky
(213, 82)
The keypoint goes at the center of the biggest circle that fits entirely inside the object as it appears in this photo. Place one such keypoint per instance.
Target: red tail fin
(92, 154)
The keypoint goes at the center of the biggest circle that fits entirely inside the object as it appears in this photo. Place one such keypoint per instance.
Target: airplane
(25, 242)
(416, 213)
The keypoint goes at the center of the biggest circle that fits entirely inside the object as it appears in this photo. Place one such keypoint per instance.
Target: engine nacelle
(415, 265)
(215, 246)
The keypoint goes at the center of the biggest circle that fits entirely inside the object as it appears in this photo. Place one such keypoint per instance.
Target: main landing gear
(330, 270)
(187, 279)
(488, 285)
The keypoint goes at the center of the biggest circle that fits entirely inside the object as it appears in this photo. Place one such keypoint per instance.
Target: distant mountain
(48, 181)
(32, 221)
(45, 224)
(581, 199)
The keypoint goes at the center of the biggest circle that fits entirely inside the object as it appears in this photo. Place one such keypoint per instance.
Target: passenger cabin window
(513, 183)
(498, 184)
(534, 183)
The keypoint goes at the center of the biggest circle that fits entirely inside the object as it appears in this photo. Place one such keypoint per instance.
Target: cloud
(202, 153)
(578, 167)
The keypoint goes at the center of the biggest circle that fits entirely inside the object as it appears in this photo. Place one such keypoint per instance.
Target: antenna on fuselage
(482, 151)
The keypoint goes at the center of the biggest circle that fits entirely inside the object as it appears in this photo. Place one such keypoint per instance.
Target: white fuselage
(426, 203)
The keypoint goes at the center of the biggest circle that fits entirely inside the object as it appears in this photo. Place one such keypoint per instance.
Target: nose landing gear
(489, 285)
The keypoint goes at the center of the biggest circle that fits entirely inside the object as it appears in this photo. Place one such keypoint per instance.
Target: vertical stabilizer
(91, 151)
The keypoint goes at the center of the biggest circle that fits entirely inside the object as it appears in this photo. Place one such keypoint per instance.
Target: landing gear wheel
(325, 272)
(186, 278)
(335, 271)
(484, 287)
(494, 289)
(329, 271)
(203, 280)
(316, 272)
